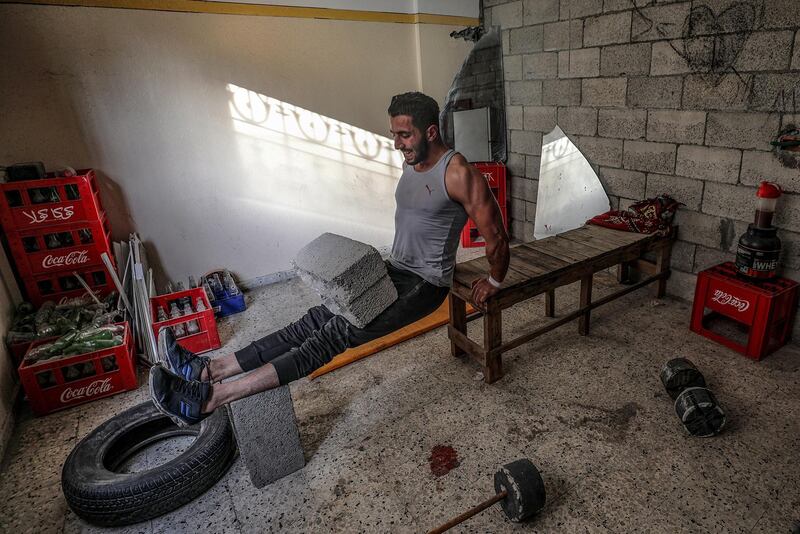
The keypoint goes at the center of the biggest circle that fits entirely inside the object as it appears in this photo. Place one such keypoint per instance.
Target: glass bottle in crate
(174, 313)
(200, 307)
(162, 314)
(192, 327)
(230, 285)
(209, 293)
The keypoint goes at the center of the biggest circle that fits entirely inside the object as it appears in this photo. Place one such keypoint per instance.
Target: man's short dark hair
(422, 109)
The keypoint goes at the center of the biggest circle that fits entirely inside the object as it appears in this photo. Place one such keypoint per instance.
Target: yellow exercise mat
(438, 318)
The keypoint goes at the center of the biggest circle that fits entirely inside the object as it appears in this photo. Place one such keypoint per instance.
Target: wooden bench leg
(586, 299)
(550, 303)
(662, 264)
(624, 272)
(492, 337)
(458, 320)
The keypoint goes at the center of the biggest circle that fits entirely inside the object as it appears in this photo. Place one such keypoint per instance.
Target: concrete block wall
(658, 105)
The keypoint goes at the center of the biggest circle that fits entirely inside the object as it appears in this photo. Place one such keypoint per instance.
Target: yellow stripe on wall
(262, 10)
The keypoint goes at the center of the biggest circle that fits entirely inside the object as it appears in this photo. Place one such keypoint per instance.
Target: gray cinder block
(267, 435)
(339, 267)
(368, 306)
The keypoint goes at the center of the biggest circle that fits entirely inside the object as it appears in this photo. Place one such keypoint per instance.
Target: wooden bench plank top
(554, 255)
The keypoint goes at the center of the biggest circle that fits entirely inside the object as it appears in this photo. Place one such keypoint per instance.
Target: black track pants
(311, 342)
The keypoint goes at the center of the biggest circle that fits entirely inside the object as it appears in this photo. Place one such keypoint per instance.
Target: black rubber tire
(103, 497)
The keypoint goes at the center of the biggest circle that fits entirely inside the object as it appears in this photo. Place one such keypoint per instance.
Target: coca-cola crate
(207, 338)
(55, 200)
(495, 174)
(471, 237)
(63, 285)
(57, 384)
(60, 248)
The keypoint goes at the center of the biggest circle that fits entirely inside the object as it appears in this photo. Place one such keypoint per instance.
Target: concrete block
(561, 92)
(666, 60)
(788, 214)
(523, 189)
(514, 117)
(796, 56)
(578, 120)
(705, 163)
(505, 38)
(267, 435)
(524, 93)
(663, 92)
(600, 151)
(622, 123)
(781, 14)
(765, 51)
(507, 15)
(515, 164)
(530, 211)
(539, 118)
(741, 130)
(540, 66)
(649, 157)
(575, 9)
(682, 257)
(758, 166)
(576, 33)
(526, 142)
(539, 11)
(526, 40)
(623, 5)
(790, 249)
(715, 92)
(339, 267)
(522, 230)
(607, 29)
(676, 126)
(790, 119)
(517, 209)
(583, 63)
(729, 201)
(366, 307)
(619, 182)
(659, 22)
(700, 228)
(708, 257)
(685, 190)
(556, 36)
(604, 92)
(775, 92)
(625, 60)
(532, 165)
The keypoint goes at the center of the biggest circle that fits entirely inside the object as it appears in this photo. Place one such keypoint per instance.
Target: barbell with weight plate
(695, 404)
(520, 492)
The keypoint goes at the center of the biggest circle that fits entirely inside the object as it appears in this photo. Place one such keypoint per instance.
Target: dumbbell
(695, 404)
(520, 492)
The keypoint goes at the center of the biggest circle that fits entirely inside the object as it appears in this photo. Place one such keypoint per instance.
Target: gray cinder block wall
(659, 105)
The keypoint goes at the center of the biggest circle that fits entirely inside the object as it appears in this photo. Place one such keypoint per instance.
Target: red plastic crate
(62, 285)
(761, 312)
(52, 385)
(56, 200)
(82, 246)
(495, 174)
(204, 340)
(471, 237)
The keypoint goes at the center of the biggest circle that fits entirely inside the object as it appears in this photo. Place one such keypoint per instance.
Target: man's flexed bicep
(466, 185)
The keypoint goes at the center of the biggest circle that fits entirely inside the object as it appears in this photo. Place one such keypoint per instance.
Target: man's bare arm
(466, 185)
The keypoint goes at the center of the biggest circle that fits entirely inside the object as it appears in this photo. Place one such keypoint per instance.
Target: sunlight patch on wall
(306, 162)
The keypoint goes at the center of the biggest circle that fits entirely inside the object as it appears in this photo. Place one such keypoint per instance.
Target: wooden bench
(540, 267)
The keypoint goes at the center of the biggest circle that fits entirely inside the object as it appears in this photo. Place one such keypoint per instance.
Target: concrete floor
(589, 411)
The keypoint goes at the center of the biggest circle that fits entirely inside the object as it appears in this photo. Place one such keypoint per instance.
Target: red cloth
(653, 215)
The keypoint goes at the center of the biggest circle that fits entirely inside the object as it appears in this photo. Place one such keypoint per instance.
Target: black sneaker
(181, 400)
(177, 359)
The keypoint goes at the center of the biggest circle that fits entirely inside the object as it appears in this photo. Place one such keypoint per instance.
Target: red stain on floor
(443, 459)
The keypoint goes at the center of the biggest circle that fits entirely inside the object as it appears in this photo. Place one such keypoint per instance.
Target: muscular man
(436, 192)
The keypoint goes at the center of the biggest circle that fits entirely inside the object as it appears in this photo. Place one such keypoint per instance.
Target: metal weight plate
(679, 374)
(697, 408)
(525, 487)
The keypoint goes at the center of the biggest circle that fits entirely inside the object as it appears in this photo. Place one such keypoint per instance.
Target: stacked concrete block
(266, 433)
(350, 276)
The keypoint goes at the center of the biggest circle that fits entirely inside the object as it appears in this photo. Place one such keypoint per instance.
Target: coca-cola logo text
(73, 258)
(97, 387)
(41, 215)
(726, 299)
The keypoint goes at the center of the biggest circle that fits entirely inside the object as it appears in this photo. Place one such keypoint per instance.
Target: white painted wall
(460, 8)
(170, 108)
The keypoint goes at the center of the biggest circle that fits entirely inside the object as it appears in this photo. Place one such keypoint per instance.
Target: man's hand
(481, 291)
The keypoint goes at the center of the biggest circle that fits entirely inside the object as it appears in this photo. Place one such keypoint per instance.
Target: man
(436, 192)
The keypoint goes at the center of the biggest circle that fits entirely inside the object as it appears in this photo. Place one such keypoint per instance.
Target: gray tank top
(427, 224)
